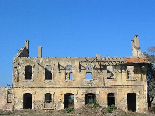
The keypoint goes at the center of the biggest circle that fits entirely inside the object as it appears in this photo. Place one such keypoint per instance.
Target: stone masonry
(48, 83)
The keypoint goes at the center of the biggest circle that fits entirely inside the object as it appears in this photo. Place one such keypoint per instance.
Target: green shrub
(69, 109)
(110, 108)
(95, 104)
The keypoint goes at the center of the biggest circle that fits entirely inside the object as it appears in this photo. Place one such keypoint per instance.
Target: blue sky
(73, 28)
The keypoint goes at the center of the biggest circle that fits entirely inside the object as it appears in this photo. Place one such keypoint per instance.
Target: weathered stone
(113, 80)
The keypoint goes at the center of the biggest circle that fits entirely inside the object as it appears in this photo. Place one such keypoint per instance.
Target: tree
(151, 54)
(151, 74)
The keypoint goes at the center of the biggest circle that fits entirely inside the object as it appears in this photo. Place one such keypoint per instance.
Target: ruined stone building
(48, 83)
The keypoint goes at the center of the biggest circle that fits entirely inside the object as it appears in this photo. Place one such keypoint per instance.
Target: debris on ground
(86, 110)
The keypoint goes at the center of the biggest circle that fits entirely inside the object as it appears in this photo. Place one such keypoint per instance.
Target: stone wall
(109, 75)
(49, 82)
(6, 98)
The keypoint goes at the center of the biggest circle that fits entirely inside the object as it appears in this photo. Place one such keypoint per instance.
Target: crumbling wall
(119, 82)
(120, 93)
(6, 98)
(57, 76)
(79, 67)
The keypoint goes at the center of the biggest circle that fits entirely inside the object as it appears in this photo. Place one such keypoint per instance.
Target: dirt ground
(83, 111)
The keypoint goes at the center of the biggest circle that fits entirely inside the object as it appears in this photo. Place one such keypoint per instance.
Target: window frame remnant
(28, 72)
(89, 98)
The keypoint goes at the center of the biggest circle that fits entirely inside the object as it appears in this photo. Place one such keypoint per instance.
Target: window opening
(68, 101)
(48, 97)
(27, 101)
(89, 98)
(131, 101)
(130, 72)
(70, 76)
(9, 96)
(28, 72)
(88, 75)
(89, 68)
(89, 65)
(68, 65)
(48, 74)
(110, 72)
(111, 99)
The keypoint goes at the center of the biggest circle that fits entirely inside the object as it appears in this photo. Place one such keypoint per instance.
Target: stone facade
(50, 82)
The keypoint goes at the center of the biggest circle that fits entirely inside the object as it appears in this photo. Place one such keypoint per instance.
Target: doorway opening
(27, 101)
(131, 101)
(68, 100)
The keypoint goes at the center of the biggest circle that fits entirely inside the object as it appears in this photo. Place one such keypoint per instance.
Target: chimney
(98, 56)
(136, 40)
(40, 51)
(27, 45)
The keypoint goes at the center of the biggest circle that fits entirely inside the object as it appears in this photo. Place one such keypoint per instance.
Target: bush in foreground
(110, 108)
